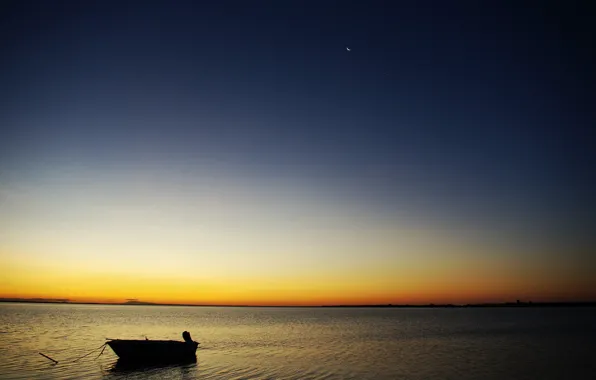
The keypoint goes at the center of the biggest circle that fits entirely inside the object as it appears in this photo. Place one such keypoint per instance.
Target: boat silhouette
(154, 351)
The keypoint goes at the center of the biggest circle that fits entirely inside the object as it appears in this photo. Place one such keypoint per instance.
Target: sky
(297, 152)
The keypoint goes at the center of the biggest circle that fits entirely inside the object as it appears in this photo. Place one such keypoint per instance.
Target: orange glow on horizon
(290, 292)
(456, 279)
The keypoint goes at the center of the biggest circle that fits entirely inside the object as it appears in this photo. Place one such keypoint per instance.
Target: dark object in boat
(155, 351)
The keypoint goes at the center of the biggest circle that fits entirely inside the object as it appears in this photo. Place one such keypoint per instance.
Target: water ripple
(315, 344)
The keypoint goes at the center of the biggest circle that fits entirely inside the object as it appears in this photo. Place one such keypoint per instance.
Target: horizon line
(517, 303)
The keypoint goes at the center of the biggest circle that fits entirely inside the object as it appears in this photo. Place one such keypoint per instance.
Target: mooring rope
(102, 347)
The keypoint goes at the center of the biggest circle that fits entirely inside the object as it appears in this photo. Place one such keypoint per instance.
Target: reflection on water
(126, 369)
(124, 366)
(303, 343)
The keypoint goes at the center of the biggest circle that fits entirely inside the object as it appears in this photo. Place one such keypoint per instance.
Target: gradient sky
(235, 152)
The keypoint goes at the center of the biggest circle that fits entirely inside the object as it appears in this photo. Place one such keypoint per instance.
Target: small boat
(152, 351)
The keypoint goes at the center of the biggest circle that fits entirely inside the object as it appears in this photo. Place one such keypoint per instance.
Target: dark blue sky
(464, 111)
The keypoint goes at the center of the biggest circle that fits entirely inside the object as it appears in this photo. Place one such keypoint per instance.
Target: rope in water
(102, 347)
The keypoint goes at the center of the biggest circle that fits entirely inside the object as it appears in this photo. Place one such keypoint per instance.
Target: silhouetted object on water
(124, 366)
(155, 351)
(46, 356)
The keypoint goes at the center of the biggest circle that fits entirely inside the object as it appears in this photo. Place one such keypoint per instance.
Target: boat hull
(153, 351)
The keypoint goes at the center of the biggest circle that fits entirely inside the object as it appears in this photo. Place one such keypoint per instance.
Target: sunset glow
(170, 156)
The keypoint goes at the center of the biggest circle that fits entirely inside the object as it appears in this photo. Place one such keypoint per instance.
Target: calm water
(304, 343)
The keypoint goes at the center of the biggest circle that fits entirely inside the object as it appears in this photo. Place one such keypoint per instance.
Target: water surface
(304, 343)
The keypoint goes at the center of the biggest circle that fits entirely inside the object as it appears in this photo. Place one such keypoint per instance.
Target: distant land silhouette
(36, 300)
(136, 302)
(502, 304)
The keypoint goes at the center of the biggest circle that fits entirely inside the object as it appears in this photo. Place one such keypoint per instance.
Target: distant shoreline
(388, 306)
